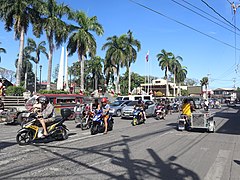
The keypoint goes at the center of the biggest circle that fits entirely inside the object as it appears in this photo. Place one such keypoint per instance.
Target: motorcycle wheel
(24, 137)
(110, 126)
(94, 129)
(64, 134)
(82, 126)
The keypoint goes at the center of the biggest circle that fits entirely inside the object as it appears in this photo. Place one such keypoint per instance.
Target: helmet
(140, 101)
(104, 100)
(43, 100)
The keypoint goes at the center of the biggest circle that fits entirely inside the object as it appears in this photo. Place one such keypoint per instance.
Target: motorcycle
(160, 112)
(56, 129)
(98, 123)
(137, 117)
(182, 122)
(86, 120)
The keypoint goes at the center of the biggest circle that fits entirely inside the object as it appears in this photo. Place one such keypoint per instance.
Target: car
(127, 111)
(116, 107)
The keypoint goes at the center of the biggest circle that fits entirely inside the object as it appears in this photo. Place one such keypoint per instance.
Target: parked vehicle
(137, 117)
(9, 116)
(86, 119)
(30, 130)
(134, 97)
(98, 123)
(116, 107)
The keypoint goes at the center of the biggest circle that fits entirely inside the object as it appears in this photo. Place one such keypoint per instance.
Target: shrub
(52, 92)
(15, 91)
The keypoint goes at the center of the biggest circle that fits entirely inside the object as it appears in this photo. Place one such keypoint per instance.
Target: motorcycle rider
(105, 107)
(187, 107)
(47, 113)
(141, 106)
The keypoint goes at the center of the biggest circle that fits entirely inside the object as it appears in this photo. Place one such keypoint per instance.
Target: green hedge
(15, 91)
(52, 92)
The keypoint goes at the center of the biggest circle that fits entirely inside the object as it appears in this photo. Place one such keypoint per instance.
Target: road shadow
(237, 162)
(4, 144)
(152, 167)
(232, 124)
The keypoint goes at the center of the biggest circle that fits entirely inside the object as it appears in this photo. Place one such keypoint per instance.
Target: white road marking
(217, 169)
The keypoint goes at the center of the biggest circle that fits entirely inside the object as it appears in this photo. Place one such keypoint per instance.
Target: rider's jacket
(186, 109)
(104, 108)
(49, 112)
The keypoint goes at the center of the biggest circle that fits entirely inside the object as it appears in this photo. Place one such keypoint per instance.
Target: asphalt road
(155, 150)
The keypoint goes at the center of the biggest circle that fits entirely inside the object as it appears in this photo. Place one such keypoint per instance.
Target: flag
(147, 56)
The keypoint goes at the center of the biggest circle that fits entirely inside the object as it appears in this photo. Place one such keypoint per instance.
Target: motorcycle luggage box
(66, 112)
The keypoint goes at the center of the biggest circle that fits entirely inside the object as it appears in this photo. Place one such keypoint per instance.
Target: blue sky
(201, 55)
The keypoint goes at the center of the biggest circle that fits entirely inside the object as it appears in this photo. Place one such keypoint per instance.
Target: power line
(233, 26)
(205, 17)
(217, 13)
(161, 14)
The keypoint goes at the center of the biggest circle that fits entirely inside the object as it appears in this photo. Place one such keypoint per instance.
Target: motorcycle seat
(58, 119)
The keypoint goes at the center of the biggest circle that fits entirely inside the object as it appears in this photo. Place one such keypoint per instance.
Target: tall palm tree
(165, 59)
(131, 54)
(55, 28)
(33, 47)
(109, 70)
(175, 65)
(17, 15)
(115, 55)
(26, 73)
(81, 40)
(181, 75)
(95, 66)
(2, 50)
(205, 82)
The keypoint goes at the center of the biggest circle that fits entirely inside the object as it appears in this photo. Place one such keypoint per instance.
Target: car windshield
(116, 103)
(132, 103)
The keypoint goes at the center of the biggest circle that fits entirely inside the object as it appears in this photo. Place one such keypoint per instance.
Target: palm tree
(131, 54)
(95, 67)
(115, 55)
(26, 73)
(205, 82)
(165, 59)
(109, 70)
(33, 47)
(2, 50)
(81, 40)
(175, 65)
(181, 75)
(55, 28)
(18, 15)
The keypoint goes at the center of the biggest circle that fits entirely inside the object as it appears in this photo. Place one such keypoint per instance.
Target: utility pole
(234, 83)
(208, 86)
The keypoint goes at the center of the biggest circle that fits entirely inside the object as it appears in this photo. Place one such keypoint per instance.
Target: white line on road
(216, 170)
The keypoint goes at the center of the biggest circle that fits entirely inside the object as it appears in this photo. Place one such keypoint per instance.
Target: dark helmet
(140, 101)
(43, 100)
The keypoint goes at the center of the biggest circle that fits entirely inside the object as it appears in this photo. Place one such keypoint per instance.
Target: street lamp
(40, 76)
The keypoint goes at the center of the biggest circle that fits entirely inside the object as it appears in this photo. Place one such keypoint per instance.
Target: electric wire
(174, 20)
(227, 24)
(217, 13)
(233, 31)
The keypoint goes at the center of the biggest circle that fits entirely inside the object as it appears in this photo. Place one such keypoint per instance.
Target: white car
(127, 111)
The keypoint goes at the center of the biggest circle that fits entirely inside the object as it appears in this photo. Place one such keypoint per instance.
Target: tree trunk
(82, 73)
(167, 88)
(174, 81)
(96, 82)
(20, 58)
(129, 80)
(50, 56)
(35, 80)
(26, 77)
